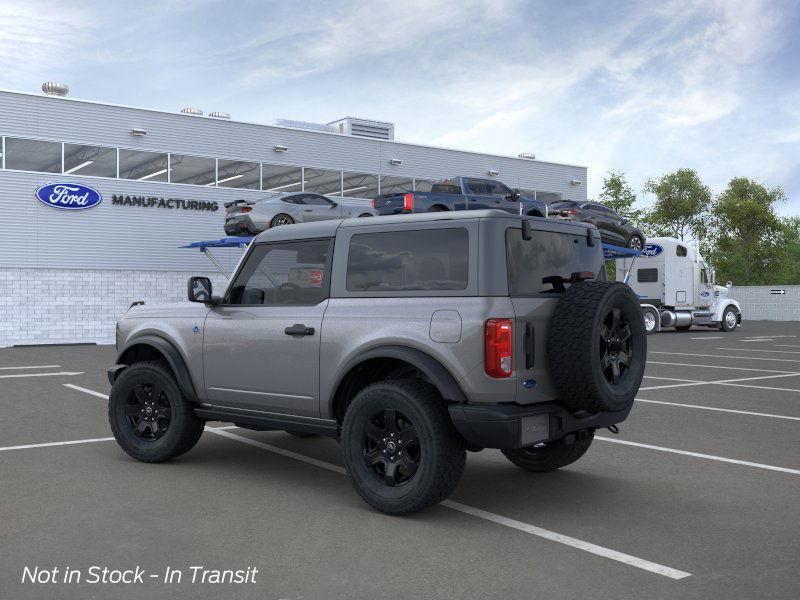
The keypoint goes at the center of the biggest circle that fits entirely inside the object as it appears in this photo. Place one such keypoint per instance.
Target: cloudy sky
(641, 87)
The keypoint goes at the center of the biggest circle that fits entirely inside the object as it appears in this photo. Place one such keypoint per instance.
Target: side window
(445, 186)
(681, 251)
(495, 188)
(408, 260)
(476, 186)
(298, 199)
(284, 273)
(315, 200)
(704, 276)
(647, 275)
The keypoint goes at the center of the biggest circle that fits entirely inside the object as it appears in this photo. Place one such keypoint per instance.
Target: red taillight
(569, 212)
(498, 353)
(246, 209)
(408, 202)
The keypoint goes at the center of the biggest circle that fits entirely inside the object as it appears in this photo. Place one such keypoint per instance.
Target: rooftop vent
(192, 111)
(377, 130)
(527, 155)
(303, 125)
(51, 88)
(219, 115)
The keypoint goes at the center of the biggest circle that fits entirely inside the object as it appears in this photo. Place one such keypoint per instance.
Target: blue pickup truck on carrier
(461, 193)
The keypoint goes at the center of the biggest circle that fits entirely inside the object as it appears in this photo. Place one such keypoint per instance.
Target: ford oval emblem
(652, 250)
(68, 196)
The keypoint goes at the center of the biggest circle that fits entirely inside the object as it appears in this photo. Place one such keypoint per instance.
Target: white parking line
(668, 379)
(725, 356)
(708, 337)
(657, 362)
(760, 387)
(727, 410)
(82, 389)
(634, 561)
(700, 455)
(758, 350)
(482, 514)
(759, 340)
(719, 381)
(16, 375)
(49, 444)
(31, 367)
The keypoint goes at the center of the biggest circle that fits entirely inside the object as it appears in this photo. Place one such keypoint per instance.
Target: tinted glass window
(280, 178)
(681, 251)
(196, 170)
(425, 185)
(476, 186)
(446, 187)
(33, 155)
(284, 274)
(315, 200)
(647, 275)
(563, 204)
(495, 188)
(238, 174)
(144, 166)
(548, 254)
(408, 260)
(90, 160)
(548, 197)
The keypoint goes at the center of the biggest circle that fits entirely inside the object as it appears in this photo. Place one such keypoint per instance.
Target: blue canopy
(226, 242)
(615, 252)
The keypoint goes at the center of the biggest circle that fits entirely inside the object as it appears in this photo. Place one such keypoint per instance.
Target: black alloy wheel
(282, 219)
(635, 243)
(148, 411)
(615, 346)
(391, 447)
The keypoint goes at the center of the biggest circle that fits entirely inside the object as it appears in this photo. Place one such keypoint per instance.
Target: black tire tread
(189, 431)
(551, 457)
(448, 444)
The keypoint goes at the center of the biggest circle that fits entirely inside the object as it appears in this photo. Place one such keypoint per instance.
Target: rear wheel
(150, 418)
(438, 208)
(364, 215)
(540, 458)
(729, 320)
(281, 219)
(651, 317)
(400, 448)
(635, 243)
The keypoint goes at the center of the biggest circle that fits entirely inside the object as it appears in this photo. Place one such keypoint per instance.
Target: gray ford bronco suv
(411, 339)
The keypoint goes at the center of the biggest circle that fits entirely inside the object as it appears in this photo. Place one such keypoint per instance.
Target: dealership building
(161, 180)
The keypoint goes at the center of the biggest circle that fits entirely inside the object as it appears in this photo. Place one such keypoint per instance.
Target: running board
(262, 421)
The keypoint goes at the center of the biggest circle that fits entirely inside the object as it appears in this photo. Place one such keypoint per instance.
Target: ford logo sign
(705, 294)
(652, 250)
(68, 196)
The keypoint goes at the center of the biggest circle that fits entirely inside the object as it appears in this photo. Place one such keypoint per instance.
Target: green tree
(617, 194)
(750, 243)
(681, 205)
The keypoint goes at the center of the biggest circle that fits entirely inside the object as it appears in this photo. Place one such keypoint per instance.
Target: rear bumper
(508, 426)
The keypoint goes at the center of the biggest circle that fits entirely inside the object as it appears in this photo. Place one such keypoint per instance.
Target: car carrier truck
(676, 288)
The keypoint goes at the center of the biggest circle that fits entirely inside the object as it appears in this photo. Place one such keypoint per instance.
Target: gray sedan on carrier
(249, 217)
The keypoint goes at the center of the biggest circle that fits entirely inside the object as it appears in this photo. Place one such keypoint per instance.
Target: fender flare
(170, 352)
(437, 373)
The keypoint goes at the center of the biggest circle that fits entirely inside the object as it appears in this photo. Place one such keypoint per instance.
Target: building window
(396, 185)
(423, 185)
(360, 185)
(280, 178)
(321, 181)
(194, 170)
(237, 174)
(33, 155)
(97, 161)
(144, 166)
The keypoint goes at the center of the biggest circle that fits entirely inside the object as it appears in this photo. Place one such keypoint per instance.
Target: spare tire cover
(597, 346)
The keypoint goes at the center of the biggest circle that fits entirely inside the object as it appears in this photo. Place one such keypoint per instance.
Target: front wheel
(149, 416)
(400, 448)
(554, 455)
(651, 317)
(729, 320)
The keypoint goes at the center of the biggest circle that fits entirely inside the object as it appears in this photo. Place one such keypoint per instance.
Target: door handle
(299, 329)
(308, 209)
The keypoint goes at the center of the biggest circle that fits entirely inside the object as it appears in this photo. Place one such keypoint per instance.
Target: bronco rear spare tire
(597, 346)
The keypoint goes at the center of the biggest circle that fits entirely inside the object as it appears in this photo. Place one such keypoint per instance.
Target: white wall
(760, 304)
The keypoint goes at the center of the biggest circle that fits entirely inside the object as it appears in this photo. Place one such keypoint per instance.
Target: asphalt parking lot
(697, 497)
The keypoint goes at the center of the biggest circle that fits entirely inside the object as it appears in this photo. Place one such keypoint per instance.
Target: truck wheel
(597, 346)
(554, 455)
(729, 320)
(650, 320)
(400, 448)
(150, 418)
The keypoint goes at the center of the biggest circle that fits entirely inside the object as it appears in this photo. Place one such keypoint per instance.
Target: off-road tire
(723, 326)
(548, 457)
(184, 429)
(575, 346)
(441, 451)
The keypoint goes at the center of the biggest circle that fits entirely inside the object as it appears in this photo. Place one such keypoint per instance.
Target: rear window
(433, 259)
(647, 275)
(548, 254)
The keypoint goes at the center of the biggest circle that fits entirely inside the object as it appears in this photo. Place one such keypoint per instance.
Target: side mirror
(199, 289)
